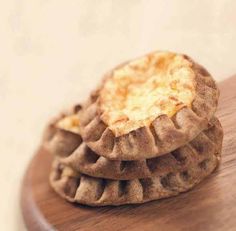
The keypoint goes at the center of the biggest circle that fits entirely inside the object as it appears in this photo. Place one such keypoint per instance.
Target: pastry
(84, 189)
(67, 145)
(148, 131)
(148, 107)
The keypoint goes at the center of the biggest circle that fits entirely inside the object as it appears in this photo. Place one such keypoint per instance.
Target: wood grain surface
(211, 205)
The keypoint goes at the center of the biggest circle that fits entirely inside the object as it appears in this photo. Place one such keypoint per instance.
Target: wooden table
(209, 206)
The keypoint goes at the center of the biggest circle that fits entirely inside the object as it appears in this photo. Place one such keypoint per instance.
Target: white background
(53, 52)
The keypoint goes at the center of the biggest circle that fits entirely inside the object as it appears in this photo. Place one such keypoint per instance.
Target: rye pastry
(148, 107)
(64, 141)
(80, 188)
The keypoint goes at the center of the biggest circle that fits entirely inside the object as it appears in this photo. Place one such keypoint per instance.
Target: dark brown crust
(163, 136)
(84, 160)
(58, 141)
(80, 188)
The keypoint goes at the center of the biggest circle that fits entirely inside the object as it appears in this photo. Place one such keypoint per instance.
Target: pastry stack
(148, 131)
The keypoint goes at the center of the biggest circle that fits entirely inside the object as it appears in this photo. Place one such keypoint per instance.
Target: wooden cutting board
(211, 205)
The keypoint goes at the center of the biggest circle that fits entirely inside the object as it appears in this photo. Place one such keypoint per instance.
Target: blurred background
(53, 52)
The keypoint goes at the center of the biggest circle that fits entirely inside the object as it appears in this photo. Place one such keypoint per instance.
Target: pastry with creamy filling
(148, 107)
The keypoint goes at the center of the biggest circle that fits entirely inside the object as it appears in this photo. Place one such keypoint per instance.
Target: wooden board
(209, 206)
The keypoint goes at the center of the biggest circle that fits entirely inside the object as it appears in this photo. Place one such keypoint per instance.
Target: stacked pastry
(147, 132)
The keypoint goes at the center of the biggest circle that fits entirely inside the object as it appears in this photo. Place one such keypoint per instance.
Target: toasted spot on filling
(69, 123)
(143, 89)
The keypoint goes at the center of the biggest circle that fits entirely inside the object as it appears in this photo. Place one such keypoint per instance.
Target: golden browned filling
(69, 172)
(141, 90)
(69, 123)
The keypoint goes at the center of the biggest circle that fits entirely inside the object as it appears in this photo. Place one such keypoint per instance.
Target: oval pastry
(66, 144)
(76, 187)
(148, 107)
